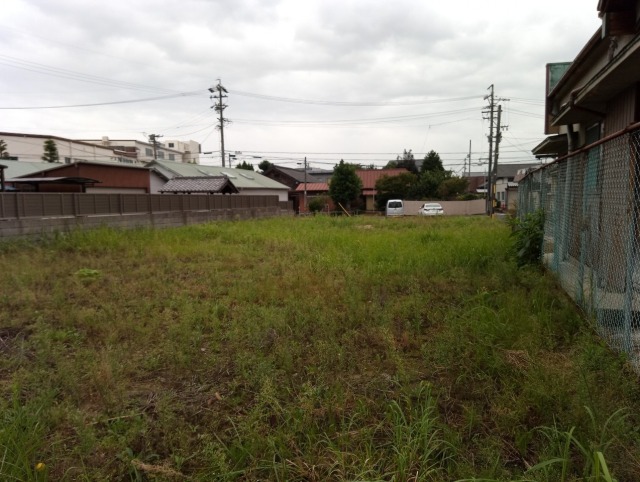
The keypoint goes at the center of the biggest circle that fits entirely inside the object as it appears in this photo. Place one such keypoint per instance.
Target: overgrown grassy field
(313, 349)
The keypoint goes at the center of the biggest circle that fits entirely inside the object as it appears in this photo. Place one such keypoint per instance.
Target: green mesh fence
(591, 202)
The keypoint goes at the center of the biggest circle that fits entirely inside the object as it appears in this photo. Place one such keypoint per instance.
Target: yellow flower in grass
(40, 466)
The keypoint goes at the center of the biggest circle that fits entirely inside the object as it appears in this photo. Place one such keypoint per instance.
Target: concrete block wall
(39, 227)
(451, 208)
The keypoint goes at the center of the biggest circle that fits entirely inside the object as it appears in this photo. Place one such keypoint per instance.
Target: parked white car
(395, 207)
(431, 209)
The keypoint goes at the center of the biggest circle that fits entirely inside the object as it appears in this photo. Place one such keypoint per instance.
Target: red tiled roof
(313, 186)
(370, 176)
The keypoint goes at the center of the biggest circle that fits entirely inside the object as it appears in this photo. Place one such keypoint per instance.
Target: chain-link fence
(591, 203)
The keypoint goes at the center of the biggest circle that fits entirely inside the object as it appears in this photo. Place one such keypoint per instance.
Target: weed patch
(317, 348)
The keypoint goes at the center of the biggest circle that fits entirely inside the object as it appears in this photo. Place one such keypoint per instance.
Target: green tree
(452, 187)
(50, 151)
(431, 162)
(394, 187)
(426, 186)
(407, 161)
(3, 149)
(264, 165)
(345, 186)
(245, 165)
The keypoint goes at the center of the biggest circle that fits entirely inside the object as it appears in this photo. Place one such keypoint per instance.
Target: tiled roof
(370, 176)
(313, 186)
(197, 184)
(297, 174)
(240, 178)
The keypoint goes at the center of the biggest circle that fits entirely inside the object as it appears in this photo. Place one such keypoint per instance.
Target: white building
(170, 150)
(30, 148)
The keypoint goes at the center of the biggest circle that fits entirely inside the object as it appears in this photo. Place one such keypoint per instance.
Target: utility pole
(495, 133)
(305, 165)
(153, 139)
(468, 159)
(305, 184)
(489, 203)
(219, 107)
(495, 160)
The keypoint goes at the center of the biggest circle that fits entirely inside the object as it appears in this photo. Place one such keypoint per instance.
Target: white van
(395, 207)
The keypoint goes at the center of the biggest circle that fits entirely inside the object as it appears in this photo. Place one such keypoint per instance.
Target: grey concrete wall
(39, 227)
(451, 208)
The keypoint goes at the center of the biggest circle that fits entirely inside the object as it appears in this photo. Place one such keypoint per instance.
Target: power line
(74, 75)
(347, 103)
(96, 104)
(340, 122)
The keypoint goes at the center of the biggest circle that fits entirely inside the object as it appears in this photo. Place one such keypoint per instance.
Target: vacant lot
(303, 349)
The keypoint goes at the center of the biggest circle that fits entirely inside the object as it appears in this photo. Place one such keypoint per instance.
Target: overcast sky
(359, 80)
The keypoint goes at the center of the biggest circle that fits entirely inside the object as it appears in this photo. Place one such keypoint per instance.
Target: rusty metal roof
(370, 176)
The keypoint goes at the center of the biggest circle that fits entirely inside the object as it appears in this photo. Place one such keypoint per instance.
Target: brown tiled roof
(198, 184)
(370, 176)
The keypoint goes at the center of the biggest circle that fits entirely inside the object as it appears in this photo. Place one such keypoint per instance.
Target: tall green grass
(303, 349)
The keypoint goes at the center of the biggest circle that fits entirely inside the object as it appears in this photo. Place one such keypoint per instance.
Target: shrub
(528, 233)
(318, 204)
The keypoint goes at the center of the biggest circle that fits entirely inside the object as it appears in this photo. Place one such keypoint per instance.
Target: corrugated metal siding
(621, 111)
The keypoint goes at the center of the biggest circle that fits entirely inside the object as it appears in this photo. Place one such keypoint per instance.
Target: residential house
(477, 182)
(505, 179)
(244, 181)
(369, 177)
(296, 179)
(82, 176)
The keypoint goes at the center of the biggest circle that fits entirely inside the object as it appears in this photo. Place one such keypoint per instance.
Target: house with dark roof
(293, 177)
(244, 181)
(296, 178)
(505, 179)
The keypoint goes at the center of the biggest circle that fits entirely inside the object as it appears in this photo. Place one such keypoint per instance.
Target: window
(148, 152)
(172, 157)
(67, 160)
(160, 154)
(171, 144)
